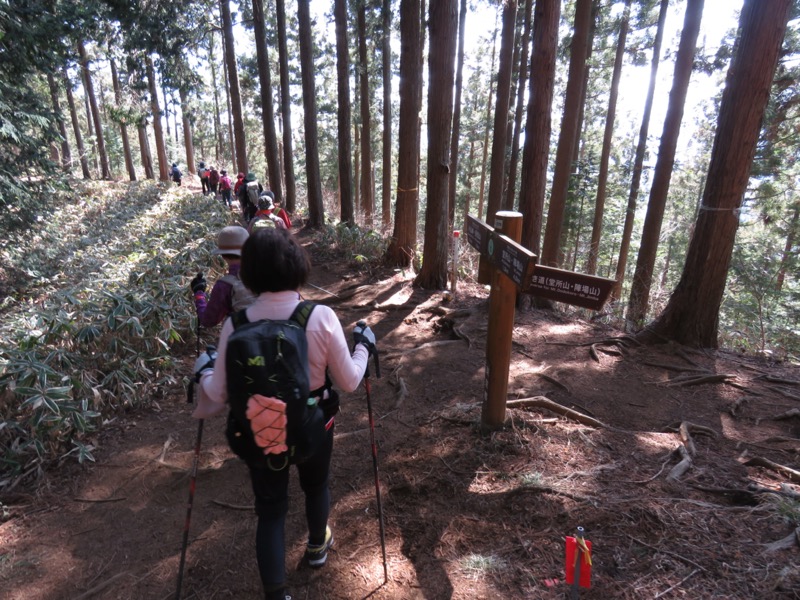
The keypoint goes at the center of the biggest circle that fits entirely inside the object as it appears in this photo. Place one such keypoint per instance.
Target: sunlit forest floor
(466, 516)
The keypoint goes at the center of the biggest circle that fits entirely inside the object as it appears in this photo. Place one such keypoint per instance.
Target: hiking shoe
(317, 555)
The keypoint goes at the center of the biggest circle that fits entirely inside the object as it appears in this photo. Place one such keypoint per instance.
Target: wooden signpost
(514, 271)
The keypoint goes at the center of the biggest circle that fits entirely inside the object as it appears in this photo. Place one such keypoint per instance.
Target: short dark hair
(273, 261)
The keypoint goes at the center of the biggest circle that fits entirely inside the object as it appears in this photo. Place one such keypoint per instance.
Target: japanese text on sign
(578, 289)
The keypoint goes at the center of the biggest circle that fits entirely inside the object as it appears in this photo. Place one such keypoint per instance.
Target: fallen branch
(667, 552)
(680, 583)
(232, 506)
(758, 461)
(543, 402)
(99, 501)
(686, 438)
(102, 586)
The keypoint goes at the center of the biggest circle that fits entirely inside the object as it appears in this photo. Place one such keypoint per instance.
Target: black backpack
(267, 373)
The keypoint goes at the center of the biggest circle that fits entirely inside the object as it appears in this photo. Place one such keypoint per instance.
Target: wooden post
(502, 301)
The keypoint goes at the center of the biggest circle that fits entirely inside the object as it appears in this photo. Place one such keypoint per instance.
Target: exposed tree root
(684, 465)
(790, 473)
(790, 541)
(420, 347)
(789, 414)
(773, 379)
(691, 427)
(671, 367)
(699, 379)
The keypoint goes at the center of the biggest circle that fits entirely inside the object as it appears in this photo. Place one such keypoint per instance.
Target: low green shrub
(90, 330)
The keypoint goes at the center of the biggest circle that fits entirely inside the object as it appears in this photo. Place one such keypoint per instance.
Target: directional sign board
(569, 287)
(511, 259)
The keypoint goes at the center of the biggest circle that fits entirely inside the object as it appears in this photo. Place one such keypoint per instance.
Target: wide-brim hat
(250, 177)
(230, 240)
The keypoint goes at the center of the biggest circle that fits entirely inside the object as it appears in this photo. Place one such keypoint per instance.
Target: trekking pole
(192, 477)
(375, 457)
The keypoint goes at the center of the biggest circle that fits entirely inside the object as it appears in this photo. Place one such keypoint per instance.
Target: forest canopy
(401, 118)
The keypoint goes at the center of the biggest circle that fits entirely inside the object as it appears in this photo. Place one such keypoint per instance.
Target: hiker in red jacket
(213, 180)
(225, 187)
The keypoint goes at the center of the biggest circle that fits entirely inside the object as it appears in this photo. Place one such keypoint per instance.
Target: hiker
(238, 184)
(213, 180)
(225, 187)
(281, 213)
(249, 192)
(329, 361)
(202, 172)
(264, 217)
(229, 293)
(175, 173)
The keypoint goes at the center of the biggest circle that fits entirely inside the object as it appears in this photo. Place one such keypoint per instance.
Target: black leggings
(272, 503)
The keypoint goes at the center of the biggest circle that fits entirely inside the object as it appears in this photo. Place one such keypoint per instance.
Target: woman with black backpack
(267, 430)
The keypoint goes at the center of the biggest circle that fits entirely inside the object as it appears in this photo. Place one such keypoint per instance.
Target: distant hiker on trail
(280, 212)
(213, 180)
(243, 381)
(225, 187)
(249, 193)
(264, 216)
(175, 173)
(229, 293)
(202, 172)
(238, 184)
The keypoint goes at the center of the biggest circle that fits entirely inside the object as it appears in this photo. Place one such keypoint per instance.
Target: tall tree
(367, 199)
(286, 110)
(511, 185)
(161, 149)
(605, 153)
(456, 132)
(233, 83)
(144, 148)
(642, 277)
(344, 117)
(105, 170)
(76, 127)
(402, 244)
(316, 211)
(691, 316)
(443, 25)
(570, 130)
(267, 109)
(533, 178)
(66, 155)
(502, 103)
(386, 138)
(219, 141)
(188, 137)
(123, 127)
(638, 161)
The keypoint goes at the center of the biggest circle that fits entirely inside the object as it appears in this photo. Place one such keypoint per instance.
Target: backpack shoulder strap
(302, 313)
(239, 318)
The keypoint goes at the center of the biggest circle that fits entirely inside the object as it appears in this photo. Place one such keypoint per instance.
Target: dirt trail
(466, 517)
